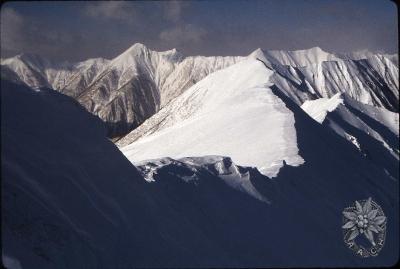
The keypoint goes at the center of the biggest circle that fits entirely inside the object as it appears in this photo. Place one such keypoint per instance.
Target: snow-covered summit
(137, 47)
(297, 58)
(231, 112)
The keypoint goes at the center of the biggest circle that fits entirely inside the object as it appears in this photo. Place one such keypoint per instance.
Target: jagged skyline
(76, 31)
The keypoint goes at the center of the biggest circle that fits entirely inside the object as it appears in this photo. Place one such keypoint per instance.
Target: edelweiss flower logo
(365, 218)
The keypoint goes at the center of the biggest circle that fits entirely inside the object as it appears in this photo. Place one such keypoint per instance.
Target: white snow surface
(295, 58)
(231, 112)
(319, 108)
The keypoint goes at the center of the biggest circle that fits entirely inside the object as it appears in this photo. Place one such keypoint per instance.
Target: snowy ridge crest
(192, 169)
(232, 112)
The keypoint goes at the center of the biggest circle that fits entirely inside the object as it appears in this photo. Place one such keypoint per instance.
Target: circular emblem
(364, 228)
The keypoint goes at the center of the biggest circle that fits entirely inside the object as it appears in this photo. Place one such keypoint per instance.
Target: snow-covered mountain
(130, 88)
(373, 131)
(324, 151)
(123, 91)
(70, 199)
(231, 112)
(38, 72)
(371, 79)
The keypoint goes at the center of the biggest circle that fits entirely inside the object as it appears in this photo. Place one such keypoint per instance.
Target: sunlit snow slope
(232, 112)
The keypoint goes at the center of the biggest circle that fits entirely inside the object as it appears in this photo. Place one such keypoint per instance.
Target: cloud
(183, 35)
(173, 10)
(24, 34)
(12, 25)
(112, 10)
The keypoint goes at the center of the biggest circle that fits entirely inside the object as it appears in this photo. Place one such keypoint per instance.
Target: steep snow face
(298, 58)
(232, 113)
(74, 80)
(373, 131)
(189, 72)
(139, 82)
(310, 74)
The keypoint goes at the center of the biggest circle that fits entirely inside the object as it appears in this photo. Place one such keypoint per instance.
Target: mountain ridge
(130, 88)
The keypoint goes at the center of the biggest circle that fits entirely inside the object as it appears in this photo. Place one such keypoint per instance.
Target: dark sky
(80, 30)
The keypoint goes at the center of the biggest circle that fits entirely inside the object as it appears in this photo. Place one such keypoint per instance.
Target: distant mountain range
(130, 88)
